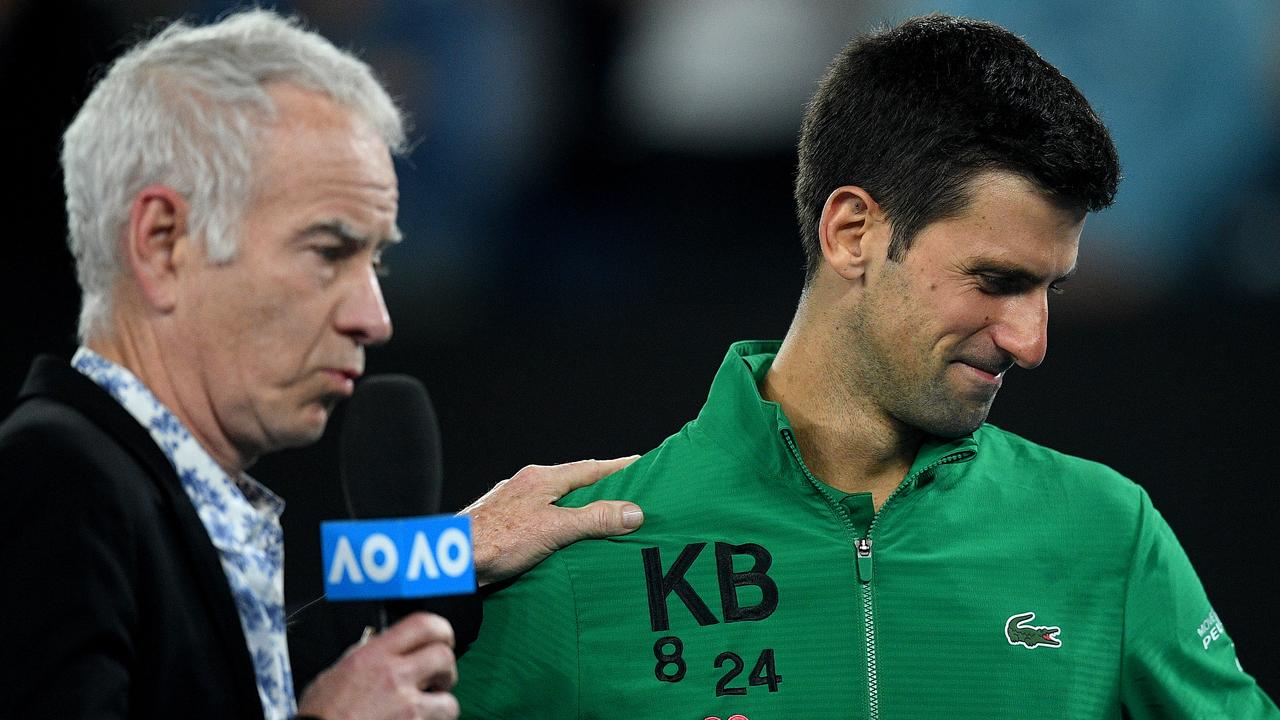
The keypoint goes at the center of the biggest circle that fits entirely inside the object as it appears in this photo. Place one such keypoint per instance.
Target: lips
(348, 373)
(995, 368)
(345, 377)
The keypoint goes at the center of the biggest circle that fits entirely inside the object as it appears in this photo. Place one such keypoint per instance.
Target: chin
(953, 431)
(304, 431)
(956, 424)
(303, 439)
(945, 412)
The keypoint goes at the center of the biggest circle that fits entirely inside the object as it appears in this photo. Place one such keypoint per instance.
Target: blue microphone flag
(397, 558)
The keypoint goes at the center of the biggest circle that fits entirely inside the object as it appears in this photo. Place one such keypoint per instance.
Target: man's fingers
(602, 518)
(405, 671)
(517, 524)
(414, 631)
(582, 473)
(438, 706)
(434, 666)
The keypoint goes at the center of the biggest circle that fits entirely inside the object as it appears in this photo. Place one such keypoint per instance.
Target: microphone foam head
(389, 449)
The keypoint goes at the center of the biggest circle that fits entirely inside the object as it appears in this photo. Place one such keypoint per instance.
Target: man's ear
(851, 231)
(157, 244)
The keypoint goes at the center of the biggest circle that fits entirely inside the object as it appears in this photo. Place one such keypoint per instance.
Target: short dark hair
(911, 114)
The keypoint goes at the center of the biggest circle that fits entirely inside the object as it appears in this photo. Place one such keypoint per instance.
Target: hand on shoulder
(517, 524)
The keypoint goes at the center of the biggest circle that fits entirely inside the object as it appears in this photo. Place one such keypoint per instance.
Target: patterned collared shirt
(242, 518)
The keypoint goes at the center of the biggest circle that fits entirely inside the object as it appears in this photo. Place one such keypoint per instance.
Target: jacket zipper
(865, 566)
(865, 573)
(863, 546)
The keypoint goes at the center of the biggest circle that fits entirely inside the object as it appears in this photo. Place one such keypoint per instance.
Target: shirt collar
(190, 460)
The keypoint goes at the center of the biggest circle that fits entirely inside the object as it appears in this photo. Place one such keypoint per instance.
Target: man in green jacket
(838, 534)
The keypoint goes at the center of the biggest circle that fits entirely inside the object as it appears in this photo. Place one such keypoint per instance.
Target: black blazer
(114, 603)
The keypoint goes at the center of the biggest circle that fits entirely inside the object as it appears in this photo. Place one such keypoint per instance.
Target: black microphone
(389, 458)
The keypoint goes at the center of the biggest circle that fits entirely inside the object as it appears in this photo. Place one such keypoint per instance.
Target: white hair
(185, 109)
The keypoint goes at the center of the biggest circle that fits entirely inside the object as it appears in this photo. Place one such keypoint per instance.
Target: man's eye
(998, 285)
(331, 253)
(380, 266)
(1055, 288)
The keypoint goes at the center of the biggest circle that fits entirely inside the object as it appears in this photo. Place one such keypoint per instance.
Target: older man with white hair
(230, 192)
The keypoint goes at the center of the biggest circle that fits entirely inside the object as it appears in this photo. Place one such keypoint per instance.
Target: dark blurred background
(598, 203)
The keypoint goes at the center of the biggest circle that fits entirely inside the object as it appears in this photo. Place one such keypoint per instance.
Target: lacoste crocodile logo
(1030, 635)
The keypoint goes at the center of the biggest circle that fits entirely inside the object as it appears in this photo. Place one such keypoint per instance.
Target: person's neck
(137, 349)
(846, 441)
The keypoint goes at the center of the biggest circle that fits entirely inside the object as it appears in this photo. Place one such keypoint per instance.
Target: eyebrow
(350, 236)
(1013, 272)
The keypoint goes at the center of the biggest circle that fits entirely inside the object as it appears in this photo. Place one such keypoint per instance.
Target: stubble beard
(905, 385)
(939, 409)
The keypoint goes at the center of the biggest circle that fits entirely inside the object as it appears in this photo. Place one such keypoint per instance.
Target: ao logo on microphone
(397, 558)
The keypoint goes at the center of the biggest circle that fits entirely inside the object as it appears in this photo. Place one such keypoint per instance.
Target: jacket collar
(54, 378)
(744, 423)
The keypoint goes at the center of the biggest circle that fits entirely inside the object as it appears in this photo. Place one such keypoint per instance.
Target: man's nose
(1023, 331)
(363, 313)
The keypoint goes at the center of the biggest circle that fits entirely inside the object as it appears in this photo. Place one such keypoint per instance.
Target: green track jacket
(1000, 580)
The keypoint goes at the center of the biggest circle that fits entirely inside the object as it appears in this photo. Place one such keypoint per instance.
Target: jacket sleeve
(524, 664)
(1177, 660)
(68, 610)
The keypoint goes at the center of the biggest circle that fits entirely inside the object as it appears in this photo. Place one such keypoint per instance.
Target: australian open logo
(1019, 631)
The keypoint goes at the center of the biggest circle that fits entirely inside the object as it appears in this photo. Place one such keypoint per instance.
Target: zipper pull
(864, 559)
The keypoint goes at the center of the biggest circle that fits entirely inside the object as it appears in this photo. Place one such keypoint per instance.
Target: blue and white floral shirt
(242, 518)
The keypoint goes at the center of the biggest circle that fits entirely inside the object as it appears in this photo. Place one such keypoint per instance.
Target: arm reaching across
(516, 525)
